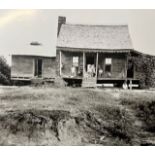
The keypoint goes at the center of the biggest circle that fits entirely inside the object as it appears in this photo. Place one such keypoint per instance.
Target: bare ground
(76, 116)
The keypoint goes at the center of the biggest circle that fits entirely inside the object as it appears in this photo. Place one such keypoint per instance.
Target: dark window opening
(108, 68)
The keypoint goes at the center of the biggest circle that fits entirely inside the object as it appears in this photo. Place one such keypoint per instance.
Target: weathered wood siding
(49, 67)
(118, 67)
(57, 63)
(23, 66)
(119, 63)
(67, 61)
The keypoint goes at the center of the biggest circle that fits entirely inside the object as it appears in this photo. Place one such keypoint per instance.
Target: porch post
(126, 66)
(96, 64)
(83, 63)
(60, 65)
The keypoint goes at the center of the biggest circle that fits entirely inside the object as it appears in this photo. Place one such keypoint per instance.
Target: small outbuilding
(32, 67)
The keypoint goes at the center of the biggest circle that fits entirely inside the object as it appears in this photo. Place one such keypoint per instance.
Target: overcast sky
(20, 27)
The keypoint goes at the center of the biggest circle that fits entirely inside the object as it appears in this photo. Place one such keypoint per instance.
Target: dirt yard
(76, 116)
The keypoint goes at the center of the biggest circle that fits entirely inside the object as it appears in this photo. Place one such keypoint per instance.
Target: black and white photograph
(77, 77)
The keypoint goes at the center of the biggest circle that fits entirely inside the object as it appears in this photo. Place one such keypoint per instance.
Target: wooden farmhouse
(32, 67)
(92, 55)
(89, 56)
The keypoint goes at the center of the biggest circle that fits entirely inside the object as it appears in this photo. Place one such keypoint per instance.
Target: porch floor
(117, 82)
(99, 79)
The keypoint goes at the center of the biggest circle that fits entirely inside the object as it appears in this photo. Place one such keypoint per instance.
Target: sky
(18, 28)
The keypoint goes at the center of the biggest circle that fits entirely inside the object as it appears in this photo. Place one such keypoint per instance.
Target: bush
(120, 122)
(146, 112)
(4, 71)
(143, 108)
(59, 82)
(145, 70)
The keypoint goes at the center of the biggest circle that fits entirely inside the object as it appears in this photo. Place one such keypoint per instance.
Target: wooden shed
(30, 67)
(93, 55)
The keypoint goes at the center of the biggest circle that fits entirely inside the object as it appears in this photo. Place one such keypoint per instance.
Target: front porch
(93, 69)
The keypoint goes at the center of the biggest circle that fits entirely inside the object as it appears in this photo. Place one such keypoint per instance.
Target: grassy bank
(76, 116)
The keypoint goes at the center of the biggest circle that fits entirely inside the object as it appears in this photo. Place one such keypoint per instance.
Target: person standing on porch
(92, 70)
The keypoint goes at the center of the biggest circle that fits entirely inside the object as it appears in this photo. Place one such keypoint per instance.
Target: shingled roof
(94, 37)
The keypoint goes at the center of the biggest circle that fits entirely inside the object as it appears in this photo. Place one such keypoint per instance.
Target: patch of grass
(120, 122)
(143, 106)
(146, 112)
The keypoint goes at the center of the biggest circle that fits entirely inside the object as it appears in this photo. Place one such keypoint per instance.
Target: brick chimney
(61, 20)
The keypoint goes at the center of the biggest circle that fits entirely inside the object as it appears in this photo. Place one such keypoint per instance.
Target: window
(108, 63)
(75, 61)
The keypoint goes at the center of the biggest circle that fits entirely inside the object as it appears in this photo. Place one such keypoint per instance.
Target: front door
(38, 68)
(130, 69)
(91, 64)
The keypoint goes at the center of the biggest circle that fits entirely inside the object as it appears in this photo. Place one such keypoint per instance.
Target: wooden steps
(89, 82)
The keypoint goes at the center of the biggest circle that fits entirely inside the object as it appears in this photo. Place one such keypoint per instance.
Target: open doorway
(38, 68)
(130, 69)
(90, 59)
(91, 64)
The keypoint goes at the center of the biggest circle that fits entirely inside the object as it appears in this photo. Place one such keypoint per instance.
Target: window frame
(73, 63)
(108, 64)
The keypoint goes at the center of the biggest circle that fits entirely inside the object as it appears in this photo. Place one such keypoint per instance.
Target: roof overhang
(31, 55)
(94, 50)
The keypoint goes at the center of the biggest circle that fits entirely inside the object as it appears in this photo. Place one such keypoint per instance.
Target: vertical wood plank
(60, 65)
(33, 67)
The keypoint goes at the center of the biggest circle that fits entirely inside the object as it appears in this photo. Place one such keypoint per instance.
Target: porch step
(89, 82)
